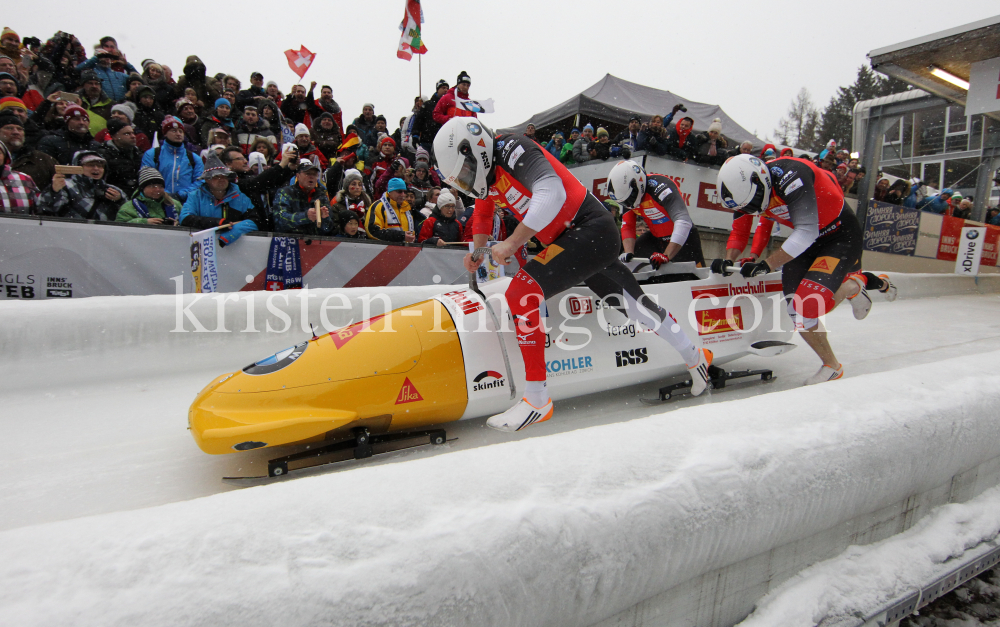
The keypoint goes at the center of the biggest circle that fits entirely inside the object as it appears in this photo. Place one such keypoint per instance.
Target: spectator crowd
(91, 136)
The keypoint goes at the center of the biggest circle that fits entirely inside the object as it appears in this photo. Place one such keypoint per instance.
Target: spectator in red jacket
(446, 109)
(442, 226)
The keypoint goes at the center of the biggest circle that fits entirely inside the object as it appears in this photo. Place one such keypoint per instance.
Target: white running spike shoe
(861, 303)
(521, 415)
(889, 290)
(699, 372)
(826, 373)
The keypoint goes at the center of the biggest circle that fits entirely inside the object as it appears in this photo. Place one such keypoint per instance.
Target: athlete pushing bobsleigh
(820, 261)
(582, 244)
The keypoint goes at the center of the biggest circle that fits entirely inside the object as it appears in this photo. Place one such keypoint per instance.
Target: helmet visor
(463, 177)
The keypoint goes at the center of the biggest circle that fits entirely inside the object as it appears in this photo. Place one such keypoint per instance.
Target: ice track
(92, 427)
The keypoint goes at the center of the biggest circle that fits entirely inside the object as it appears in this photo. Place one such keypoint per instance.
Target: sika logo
(631, 357)
(481, 383)
(408, 393)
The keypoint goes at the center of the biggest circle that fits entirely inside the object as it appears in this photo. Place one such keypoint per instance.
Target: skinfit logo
(481, 382)
(631, 357)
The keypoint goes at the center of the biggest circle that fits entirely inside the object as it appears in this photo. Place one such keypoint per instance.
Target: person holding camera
(150, 203)
(82, 196)
(653, 136)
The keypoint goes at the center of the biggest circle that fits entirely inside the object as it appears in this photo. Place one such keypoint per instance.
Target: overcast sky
(528, 55)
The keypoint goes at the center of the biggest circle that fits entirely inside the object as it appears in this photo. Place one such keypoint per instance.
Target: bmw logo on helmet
(755, 161)
(474, 128)
(637, 169)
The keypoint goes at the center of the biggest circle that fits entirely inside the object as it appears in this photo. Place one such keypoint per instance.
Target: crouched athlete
(672, 235)
(581, 239)
(820, 261)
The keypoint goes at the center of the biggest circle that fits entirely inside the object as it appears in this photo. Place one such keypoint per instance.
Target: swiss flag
(299, 60)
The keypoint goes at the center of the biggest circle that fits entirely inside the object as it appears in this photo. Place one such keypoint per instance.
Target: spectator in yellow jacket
(389, 217)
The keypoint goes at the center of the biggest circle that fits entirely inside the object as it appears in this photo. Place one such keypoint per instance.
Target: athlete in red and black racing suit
(820, 256)
(664, 212)
(582, 244)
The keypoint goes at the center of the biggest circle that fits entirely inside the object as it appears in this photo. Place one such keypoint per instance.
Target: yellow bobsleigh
(455, 356)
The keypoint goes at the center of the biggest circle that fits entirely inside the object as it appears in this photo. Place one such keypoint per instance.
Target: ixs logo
(573, 365)
(711, 321)
(579, 305)
(728, 289)
(631, 357)
(488, 380)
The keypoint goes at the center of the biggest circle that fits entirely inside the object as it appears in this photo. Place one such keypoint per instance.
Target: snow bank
(567, 529)
(862, 579)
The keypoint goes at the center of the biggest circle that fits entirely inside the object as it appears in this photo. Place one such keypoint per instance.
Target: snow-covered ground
(102, 521)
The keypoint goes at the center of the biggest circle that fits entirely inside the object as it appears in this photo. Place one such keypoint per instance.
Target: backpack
(156, 157)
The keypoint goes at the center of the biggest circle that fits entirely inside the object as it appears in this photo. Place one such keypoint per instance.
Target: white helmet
(627, 184)
(463, 148)
(745, 184)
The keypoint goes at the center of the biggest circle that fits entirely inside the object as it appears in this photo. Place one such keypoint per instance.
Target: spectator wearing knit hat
(425, 126)
(61, 145)
(581, 152)
(218, 119)
(206, 89)
(94, 99)
(386, 165)
(447, 106)
(600, 148)
(350, 226)
(38, 165)
(352, 197)
(18, 193)
(124, 114)
(148, 114)
(365, 125)
(33, 133)
(84, 196)
(123, 156)
(149, 203)
(307, 149)
(389, 217)
(164, 91)
(442, 226)
(180, 168)
(9, 85)
(326, 135)
(295, 205)
(216, 201)
(711, 147)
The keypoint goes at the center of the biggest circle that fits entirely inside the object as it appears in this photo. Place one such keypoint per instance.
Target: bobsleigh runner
(400, 375)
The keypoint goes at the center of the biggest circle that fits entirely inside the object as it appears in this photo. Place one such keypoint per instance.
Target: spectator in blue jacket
(113, 82)
(216, 202)
(556, 144)
(180, 168)
(937, 204)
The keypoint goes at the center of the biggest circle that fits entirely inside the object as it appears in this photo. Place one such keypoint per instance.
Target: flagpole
(420, 75)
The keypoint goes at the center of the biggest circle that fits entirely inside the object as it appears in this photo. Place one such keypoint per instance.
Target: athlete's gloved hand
(658, 259)
(625, 257)
(721, 266)
(754, 269)
(747, 260)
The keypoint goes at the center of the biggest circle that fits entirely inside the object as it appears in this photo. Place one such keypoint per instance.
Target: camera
(683, 108)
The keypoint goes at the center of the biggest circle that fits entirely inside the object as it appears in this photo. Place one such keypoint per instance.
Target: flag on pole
(299, 60)
(410, 42)
(474, 106)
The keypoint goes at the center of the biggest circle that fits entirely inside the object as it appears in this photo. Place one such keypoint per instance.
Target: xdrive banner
(203, 269)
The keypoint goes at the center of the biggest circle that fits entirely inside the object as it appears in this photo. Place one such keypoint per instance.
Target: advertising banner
(42, 258)
(970, 250)
(891, 228)
(203, 268)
